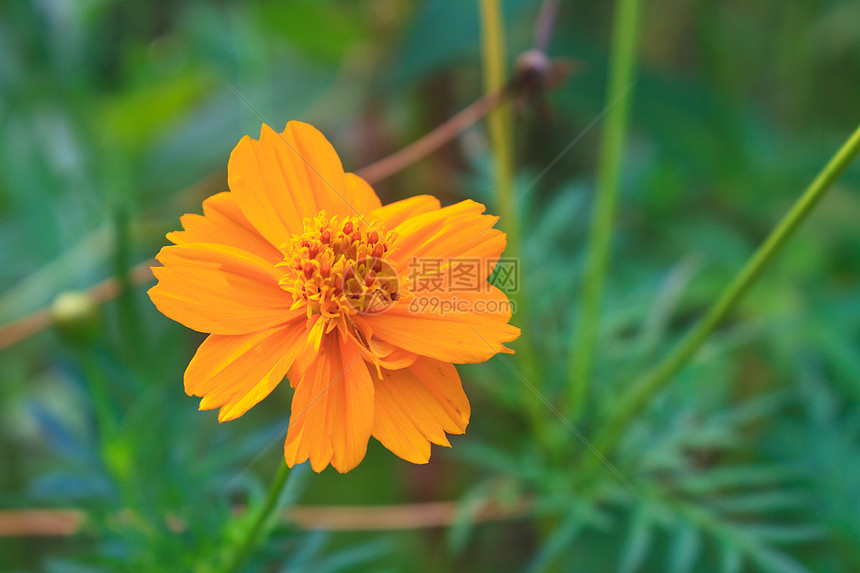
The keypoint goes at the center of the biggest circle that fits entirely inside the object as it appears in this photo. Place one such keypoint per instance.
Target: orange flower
(299, 271)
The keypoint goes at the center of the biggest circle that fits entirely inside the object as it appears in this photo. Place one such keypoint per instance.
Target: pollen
(338, 267)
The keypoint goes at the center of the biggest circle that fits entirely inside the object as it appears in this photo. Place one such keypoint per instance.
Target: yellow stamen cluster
(337, 267)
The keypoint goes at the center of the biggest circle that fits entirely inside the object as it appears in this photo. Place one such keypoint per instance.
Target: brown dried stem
(67, 522)
(531, 74)
(423, 147)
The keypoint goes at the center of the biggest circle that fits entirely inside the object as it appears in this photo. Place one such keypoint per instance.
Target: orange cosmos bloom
(299, 271)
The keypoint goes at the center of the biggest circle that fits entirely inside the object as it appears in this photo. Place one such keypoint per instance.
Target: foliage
(110, 112)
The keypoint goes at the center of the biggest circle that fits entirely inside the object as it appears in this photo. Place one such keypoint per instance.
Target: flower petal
(285, 177)
(416, 406)
(445, 332)
(453, 325)
(359, 196)
(388, 356)
(332, 409)
(223, 223)
(459, 231)
(235, 372)
(396, 213)
(220, 289)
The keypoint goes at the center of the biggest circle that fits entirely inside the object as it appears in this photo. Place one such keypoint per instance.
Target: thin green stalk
(131, 326)
(501, 139)
(261, 524)
(641, 392)
(99, 393)
(113, 446)
(622, 60)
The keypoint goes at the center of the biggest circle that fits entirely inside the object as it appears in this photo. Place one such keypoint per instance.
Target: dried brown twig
(423, 147)
(534, 72)
(67, 522)
(39, 320)
(40, 522)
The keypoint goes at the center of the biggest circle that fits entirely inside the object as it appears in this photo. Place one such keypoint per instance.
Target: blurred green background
(118, 117)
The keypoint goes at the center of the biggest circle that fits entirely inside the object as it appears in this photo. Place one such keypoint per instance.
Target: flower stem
(501, 137)
(501, 140)
(261, 524)
(641, 392)
(621, 64)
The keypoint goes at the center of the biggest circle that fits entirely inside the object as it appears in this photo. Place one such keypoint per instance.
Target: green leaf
(786, 533)
(731, 559)
(772, 561)
(685, 548)
(763, 501)
(463, 525)
(736, 477)
(558, 541)
(638, 543)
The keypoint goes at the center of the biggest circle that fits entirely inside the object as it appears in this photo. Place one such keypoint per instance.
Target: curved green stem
(622, 60)
(641, 392)
(261, 524)
(502, 141)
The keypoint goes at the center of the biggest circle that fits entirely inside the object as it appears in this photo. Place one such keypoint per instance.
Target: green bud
(76, 316)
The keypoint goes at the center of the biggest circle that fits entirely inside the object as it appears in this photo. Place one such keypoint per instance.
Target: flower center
(338, 267)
